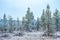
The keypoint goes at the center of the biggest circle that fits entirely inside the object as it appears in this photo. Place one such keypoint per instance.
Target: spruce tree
(4, 22)
(56, 17)
(48, 20)
(43, 20)
(10, 24)
(27, 19)
(18, 24)
(38, 24)
(23, 24)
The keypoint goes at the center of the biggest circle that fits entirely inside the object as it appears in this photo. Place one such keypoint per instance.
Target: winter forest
(46, 27)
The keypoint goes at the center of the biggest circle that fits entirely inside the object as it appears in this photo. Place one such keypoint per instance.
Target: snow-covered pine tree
(4, 23)
(56, 17)
(48, 20)
(10, 24)
(18, 24)
(23, 23)
(38, 24)
(27, 20)
(43, 20)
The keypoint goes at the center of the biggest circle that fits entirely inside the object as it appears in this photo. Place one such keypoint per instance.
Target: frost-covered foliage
(46, 23)
(27, 21)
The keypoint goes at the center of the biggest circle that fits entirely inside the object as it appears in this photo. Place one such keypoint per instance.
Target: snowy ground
(27, 36)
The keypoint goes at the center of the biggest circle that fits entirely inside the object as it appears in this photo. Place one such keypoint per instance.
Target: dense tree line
(47, 22)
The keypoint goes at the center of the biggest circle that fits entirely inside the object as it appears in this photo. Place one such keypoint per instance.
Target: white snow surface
(27, 36)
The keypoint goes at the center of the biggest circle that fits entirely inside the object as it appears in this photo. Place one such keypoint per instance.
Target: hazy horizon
(18, 8)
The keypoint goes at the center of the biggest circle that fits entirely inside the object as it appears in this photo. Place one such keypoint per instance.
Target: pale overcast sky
(18, 8)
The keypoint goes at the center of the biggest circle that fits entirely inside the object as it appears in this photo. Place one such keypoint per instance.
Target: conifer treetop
(48, 7)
